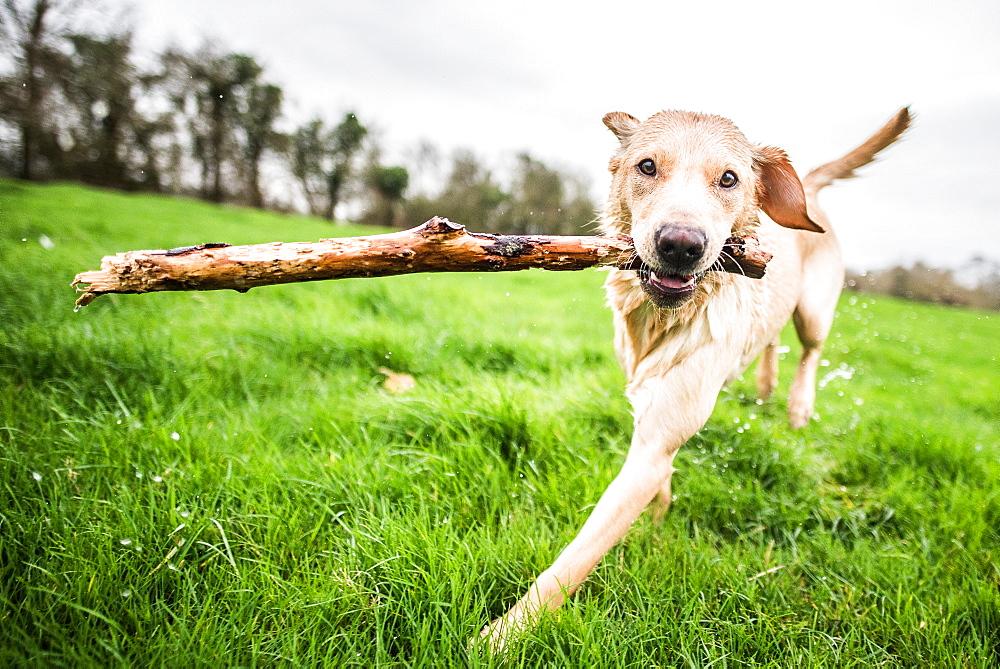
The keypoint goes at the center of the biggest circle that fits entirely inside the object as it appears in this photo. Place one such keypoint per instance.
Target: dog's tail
(843, 168)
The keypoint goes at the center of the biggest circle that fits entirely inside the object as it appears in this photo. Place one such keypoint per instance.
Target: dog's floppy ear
(622, 124)
(781, 195)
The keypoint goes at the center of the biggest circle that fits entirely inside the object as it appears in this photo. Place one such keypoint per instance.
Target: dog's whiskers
(730, 256)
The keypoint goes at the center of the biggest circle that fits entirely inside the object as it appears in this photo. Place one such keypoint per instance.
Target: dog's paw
(493, 638)
(799, 415)
(497, 637)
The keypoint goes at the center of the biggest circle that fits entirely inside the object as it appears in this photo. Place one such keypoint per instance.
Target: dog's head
(682, 184)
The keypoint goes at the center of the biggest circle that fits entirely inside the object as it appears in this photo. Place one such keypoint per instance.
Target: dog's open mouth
(668, 290)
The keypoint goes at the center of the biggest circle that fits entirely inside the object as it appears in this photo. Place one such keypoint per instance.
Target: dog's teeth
(673, 282)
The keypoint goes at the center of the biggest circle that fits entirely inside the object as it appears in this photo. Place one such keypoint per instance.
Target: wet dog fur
(682, 183)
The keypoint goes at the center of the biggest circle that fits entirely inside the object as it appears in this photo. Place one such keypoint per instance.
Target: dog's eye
(647, 167)
(728, 179)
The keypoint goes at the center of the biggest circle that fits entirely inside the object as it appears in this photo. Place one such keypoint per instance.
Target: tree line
(979, 289)
(207, 123)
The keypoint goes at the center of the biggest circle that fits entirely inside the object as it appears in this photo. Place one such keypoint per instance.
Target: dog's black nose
(680, 247)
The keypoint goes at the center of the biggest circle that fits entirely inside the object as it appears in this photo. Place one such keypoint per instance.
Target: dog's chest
(734, 316)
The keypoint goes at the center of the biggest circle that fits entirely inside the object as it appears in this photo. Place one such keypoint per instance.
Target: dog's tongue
(672, 281)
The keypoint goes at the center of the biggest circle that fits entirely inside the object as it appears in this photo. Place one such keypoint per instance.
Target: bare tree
(151, 155)
(210, 88)
(344, 143)
(98, 83)
(306, 154)
(263, 109)
(31, 31)
(323, 161)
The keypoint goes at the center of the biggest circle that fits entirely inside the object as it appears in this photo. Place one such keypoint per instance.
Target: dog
(682, 184)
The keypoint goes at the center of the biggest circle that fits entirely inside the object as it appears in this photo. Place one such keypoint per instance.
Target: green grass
(206, 479)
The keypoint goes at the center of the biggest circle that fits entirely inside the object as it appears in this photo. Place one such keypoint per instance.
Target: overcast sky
(537, 76)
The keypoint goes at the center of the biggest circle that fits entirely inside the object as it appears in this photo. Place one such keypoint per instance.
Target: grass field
(215, 479)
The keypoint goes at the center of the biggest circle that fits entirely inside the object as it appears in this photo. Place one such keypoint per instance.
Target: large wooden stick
(436, 246)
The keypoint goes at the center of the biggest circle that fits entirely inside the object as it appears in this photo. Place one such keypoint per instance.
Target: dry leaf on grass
(396, 382)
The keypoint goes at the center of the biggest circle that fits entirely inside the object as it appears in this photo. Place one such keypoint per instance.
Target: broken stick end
(87, 294)
(86, 298)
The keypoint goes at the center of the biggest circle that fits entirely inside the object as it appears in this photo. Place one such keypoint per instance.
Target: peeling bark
(436, 246)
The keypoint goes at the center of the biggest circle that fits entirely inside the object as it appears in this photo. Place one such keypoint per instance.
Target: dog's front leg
(667, 414)
(629, 493)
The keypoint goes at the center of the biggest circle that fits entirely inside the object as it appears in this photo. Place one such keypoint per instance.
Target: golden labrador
(682, 184)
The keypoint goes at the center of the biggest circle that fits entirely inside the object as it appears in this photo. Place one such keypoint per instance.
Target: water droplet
(126, 594)
(157, 479)
(36, 476)
(175, 436)
(125, 542)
